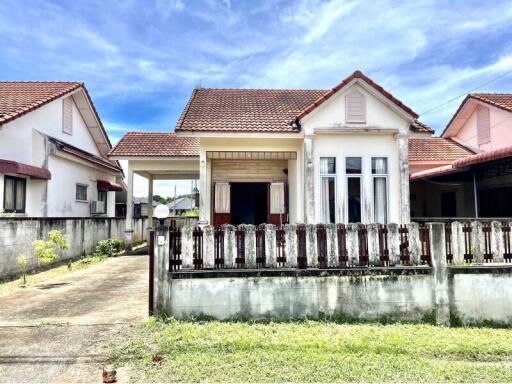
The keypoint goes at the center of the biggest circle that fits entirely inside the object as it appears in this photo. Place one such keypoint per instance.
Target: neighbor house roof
(436, 149)
(498, 100)
(20, 97)
(182, 203)
(155, 144)
(418, 126)
(261, 110)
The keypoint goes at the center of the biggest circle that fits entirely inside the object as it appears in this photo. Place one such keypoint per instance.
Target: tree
(47, 250)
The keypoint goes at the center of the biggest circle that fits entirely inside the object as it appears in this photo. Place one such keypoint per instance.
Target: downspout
(475, 195)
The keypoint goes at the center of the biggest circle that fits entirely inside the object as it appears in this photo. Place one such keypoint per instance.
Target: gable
(333, 112)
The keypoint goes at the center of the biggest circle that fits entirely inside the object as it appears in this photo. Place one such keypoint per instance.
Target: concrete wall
(17, 235)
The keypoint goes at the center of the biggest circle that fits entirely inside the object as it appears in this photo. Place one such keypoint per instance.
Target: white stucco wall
(22, 140)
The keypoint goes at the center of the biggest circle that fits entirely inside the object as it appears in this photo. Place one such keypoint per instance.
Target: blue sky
(141, 59)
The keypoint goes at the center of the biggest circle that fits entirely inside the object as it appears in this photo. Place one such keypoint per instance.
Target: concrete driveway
(60, 330)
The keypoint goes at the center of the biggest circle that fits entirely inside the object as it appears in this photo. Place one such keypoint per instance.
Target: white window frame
(325, 176)
(380, 175)
(361, 189)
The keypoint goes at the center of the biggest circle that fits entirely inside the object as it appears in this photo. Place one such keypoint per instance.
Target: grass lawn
(314, 352)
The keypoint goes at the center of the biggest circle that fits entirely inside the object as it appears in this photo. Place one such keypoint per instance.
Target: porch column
(403, 161)
(309, 180)
(128, 233)
(204, 190)
(150, 202)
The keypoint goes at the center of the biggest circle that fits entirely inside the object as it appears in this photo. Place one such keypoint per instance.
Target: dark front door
(448, 204)
(249, 203)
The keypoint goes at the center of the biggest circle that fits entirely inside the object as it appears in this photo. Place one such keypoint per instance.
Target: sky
(140, 60)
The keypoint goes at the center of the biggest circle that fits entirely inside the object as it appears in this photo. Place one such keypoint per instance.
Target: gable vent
(67, 115)
(355, 107)
(483, 125)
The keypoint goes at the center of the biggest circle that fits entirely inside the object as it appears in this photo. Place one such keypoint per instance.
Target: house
(286, 156)
(467, 172)
(182, 205)
(53, 152)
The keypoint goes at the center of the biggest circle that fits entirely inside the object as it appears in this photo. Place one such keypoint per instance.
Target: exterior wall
(247, 170)
(62, 201)
(295, 172)
(17, 235)
(501, 130)
(358, 146)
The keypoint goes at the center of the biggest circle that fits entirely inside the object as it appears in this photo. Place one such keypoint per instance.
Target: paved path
(60, 330)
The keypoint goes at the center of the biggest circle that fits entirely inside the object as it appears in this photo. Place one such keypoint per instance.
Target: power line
(464, 94)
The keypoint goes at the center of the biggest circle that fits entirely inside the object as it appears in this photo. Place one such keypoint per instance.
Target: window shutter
(483, 125)
(67, 115)
(355, 107)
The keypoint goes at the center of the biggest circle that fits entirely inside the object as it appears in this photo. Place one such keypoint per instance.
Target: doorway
(249, 203)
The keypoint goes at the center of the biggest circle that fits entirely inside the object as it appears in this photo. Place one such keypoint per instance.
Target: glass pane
(353, 165)
(380, 200)
(81, 192)
(328, 165)
(9, 194)
(354, 199)
(379, 165)
(20, 195)
(328, 200)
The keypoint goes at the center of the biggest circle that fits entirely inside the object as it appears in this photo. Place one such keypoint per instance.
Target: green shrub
(47, 250)
(109, 247)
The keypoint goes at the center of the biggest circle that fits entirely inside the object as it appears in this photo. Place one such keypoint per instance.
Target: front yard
(314, 352)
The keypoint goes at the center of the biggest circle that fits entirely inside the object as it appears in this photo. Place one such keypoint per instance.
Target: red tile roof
(356, 75)
(479, 158)
(436, 149)
(20, 97)
(247, 110)
(156, 144)
(260, 110)
(418, 126)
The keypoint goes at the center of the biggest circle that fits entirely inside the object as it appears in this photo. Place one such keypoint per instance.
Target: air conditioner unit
(97, 207)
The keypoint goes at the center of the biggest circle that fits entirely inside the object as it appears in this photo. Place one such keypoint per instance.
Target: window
(102, 196)
(483, 125)
(380, 189)
(222, 198)
(81, 192)
(355, 107)
(277, 198)
(353, 169)
(14, 194)
(328, 185)
(67, 115)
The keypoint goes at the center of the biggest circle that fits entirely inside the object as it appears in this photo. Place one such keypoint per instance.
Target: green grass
(312, 351)
(52, 273)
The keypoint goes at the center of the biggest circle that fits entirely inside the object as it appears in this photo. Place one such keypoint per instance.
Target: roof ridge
(41, 82)
(263, 89)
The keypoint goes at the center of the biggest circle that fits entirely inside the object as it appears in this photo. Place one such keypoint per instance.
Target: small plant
(109, 247)
(47, 250)
(23, 262)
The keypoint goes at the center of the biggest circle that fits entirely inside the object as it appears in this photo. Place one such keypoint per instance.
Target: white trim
(243, 135)
(333, 176)
(151, 158)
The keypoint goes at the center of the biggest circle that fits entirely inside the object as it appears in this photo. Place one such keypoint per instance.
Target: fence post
(332, 245)
(373, 244)
(414, 243)
(250, 246)
(209, 247)
(439, 273)
(496, 242)
(187, 247)
(352, 244)
(457, 242)
(290, 233)
(151, 301)
(162, 284)
(477, 242)
(311, 251)
(229, 246)
(394, 244)
(271, 246)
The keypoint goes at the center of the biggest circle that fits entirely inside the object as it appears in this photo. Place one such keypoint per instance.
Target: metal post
(475, 194)
(151, 243)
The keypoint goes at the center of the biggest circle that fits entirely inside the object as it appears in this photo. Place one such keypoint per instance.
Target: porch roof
(155, 144)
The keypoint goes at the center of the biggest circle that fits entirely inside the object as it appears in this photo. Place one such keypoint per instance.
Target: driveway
(60, 330)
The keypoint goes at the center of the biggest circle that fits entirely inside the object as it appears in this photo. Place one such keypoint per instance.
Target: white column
(403, 160)
(129, 209)
(150, 203)
(309, 180)
(204, 190)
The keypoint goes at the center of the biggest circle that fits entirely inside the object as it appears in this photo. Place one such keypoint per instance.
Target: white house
(53, 152)
(287, 156)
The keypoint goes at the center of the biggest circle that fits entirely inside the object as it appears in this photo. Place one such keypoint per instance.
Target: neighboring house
(182, 205)
(279, 156)
(53, 152)
(467, 172)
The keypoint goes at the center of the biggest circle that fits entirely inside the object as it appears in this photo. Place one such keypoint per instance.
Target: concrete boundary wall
(440, 292)
(17, 235)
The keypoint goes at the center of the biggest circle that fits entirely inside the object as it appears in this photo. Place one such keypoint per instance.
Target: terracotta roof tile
(436, 149)
(500, 100)
(247, 110)
(418, 126)
(156, 144)
(20, 97)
